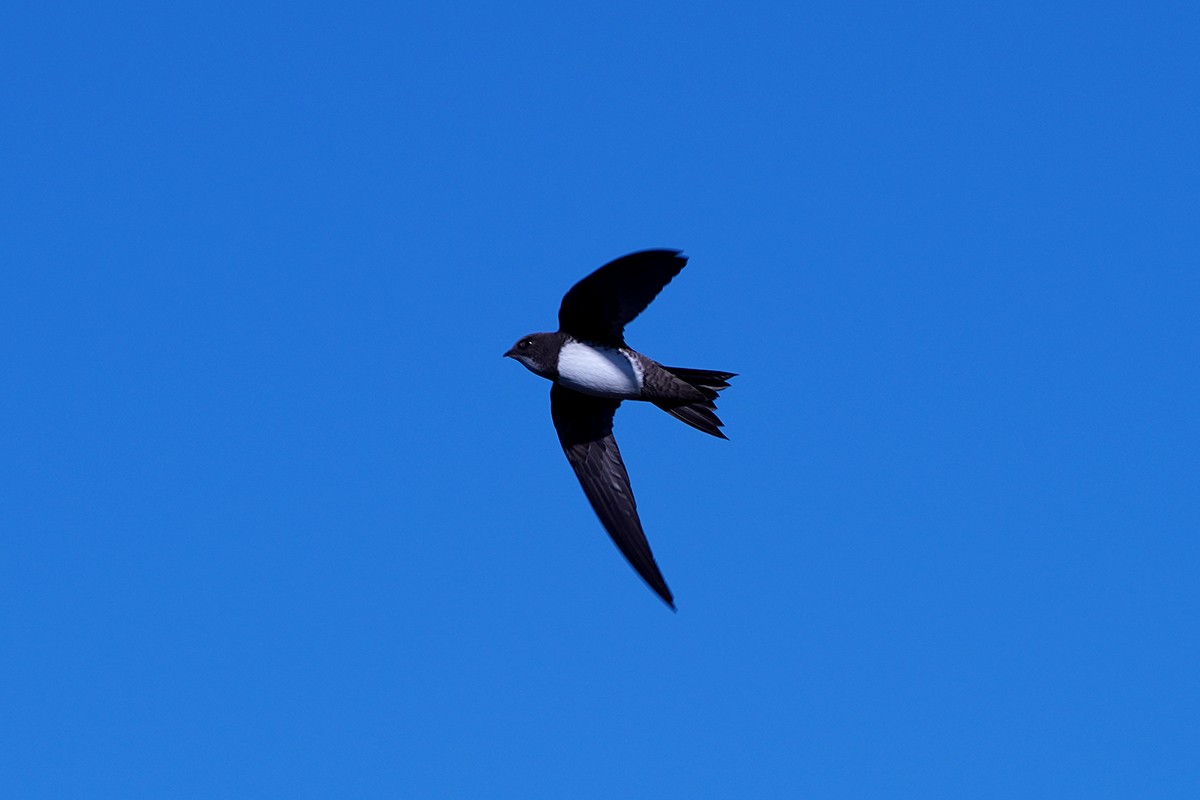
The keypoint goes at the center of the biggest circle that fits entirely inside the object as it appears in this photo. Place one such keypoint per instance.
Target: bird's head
(538, 352)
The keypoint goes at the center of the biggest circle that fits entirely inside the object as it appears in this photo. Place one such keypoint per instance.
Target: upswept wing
(598, 308)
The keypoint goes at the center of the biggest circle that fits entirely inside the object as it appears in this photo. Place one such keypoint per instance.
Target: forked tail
(700, 414)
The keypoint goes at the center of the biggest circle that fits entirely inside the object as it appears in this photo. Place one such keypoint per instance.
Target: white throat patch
(599, 371)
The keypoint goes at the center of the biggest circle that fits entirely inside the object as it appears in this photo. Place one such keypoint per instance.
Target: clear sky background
(279, 521)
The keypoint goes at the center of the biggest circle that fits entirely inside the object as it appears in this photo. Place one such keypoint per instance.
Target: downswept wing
(598, 308)
(584, 426)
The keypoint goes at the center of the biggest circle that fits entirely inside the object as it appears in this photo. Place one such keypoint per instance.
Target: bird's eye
(524, 343)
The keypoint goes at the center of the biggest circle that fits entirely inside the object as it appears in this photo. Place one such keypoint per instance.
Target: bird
(593, 371)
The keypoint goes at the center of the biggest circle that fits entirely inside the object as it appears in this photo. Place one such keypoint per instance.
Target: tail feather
(701, 414)
(706, 378)
(699, 417)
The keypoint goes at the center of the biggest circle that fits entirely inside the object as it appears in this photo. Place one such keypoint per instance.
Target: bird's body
(612, 372)
(593, 371)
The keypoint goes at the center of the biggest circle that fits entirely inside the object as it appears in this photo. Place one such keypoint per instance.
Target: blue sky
(279, 521)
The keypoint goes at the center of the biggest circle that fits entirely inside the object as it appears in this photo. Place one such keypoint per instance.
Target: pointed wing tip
(654, 579)
(661, 254)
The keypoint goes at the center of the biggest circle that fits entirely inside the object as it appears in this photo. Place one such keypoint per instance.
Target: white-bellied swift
(593, 370)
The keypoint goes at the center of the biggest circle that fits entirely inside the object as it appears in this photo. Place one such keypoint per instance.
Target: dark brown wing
(598, 308)
(584, 426)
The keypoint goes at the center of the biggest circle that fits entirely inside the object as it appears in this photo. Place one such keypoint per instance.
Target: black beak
(511, 352)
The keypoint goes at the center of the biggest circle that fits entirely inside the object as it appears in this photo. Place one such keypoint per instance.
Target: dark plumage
(598, 308)
(593, 371)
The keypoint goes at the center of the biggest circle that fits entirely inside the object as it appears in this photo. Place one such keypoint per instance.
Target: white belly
(599, 371)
